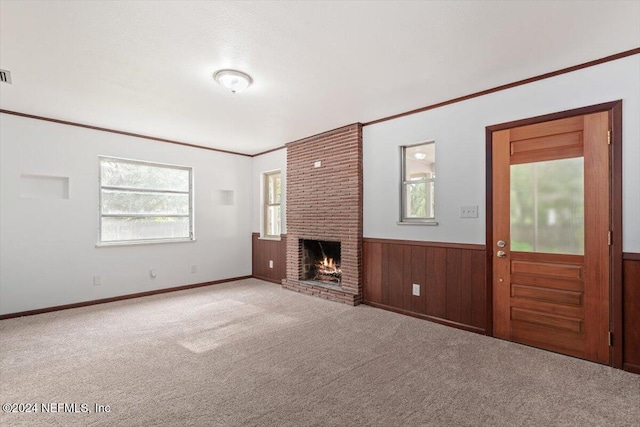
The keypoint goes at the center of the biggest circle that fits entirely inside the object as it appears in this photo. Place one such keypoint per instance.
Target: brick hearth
(325, 203)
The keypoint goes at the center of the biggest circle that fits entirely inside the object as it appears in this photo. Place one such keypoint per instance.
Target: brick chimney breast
(324, 202)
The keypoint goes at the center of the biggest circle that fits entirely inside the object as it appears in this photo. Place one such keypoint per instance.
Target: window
(143, 202)
(418, 183)
(271, 213)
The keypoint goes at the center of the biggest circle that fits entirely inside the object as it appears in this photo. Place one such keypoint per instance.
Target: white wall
(47, 248)
(459, 132)
(261, 164)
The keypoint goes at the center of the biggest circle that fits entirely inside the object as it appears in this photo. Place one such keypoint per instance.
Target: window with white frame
(418, 183)
(272, 204)
(143, 202)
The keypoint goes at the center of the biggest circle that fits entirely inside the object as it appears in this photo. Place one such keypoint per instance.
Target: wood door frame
(614, 109)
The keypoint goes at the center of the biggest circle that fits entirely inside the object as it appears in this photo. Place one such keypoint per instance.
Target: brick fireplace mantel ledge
(328, 286)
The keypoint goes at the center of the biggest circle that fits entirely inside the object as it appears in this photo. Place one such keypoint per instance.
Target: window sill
(143, 242)
(276, 239)
(417, 223)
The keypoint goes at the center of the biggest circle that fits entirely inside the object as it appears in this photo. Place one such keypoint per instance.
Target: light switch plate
(416, 290)
(469, 211)
(270, 263)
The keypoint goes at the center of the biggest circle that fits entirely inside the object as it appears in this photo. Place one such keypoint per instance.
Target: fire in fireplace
(321, 261)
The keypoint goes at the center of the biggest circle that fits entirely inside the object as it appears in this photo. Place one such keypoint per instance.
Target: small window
(142, 202)
(418, 183)
(272, 209)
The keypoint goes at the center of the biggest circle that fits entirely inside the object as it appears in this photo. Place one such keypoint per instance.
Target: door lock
(501, 254)
(501, 243)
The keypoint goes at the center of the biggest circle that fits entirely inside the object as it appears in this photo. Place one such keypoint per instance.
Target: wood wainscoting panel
(265, 250)
(418, 266)
(395, 267)
(436, 282)
(451, 279)
(631, 297)
(372, 271)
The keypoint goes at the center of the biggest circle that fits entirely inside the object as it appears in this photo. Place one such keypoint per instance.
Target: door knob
(501, 254)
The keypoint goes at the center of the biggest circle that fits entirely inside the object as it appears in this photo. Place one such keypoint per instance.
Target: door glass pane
(547, 206)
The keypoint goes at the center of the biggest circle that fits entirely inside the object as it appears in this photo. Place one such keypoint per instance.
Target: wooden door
(551, 263)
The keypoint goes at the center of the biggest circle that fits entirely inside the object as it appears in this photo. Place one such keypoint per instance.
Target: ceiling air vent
(5, 76)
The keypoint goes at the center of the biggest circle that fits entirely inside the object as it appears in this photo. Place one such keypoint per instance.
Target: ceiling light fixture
(235, 81)
(419, 156)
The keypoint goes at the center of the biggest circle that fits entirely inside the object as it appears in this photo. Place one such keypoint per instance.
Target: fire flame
(328, 269)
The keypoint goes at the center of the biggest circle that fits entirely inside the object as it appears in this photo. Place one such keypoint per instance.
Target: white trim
(417, 222)
(143, 242)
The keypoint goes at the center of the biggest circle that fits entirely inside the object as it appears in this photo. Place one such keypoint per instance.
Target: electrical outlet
(97, 280)
(317, 164)
(469, 211)
(194, 268)
(270, 263)
(416, 290)
(153, 273)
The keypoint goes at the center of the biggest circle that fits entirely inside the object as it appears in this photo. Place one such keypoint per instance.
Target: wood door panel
(538, 130)
(547, 143)
(543, 156)
(549, 339)
(555, 321)
(562, 146)
(547, 257)
(565, 271)
(548, 307)
(548, 282)
(557, 296)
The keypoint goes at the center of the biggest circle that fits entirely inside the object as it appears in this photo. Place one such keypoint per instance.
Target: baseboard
(267, 279)
(118, 298)
(630, 367)
(427, 317)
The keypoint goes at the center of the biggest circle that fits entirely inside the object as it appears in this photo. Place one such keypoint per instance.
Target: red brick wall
(325, 203)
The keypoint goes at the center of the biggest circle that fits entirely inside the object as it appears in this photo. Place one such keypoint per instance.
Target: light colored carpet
(250, 353)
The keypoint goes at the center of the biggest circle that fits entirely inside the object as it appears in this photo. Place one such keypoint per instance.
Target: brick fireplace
(324, 203)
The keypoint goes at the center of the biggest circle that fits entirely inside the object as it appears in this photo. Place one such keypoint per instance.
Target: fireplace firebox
(320, 261)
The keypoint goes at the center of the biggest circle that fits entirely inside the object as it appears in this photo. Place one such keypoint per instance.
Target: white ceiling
(146, 67)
